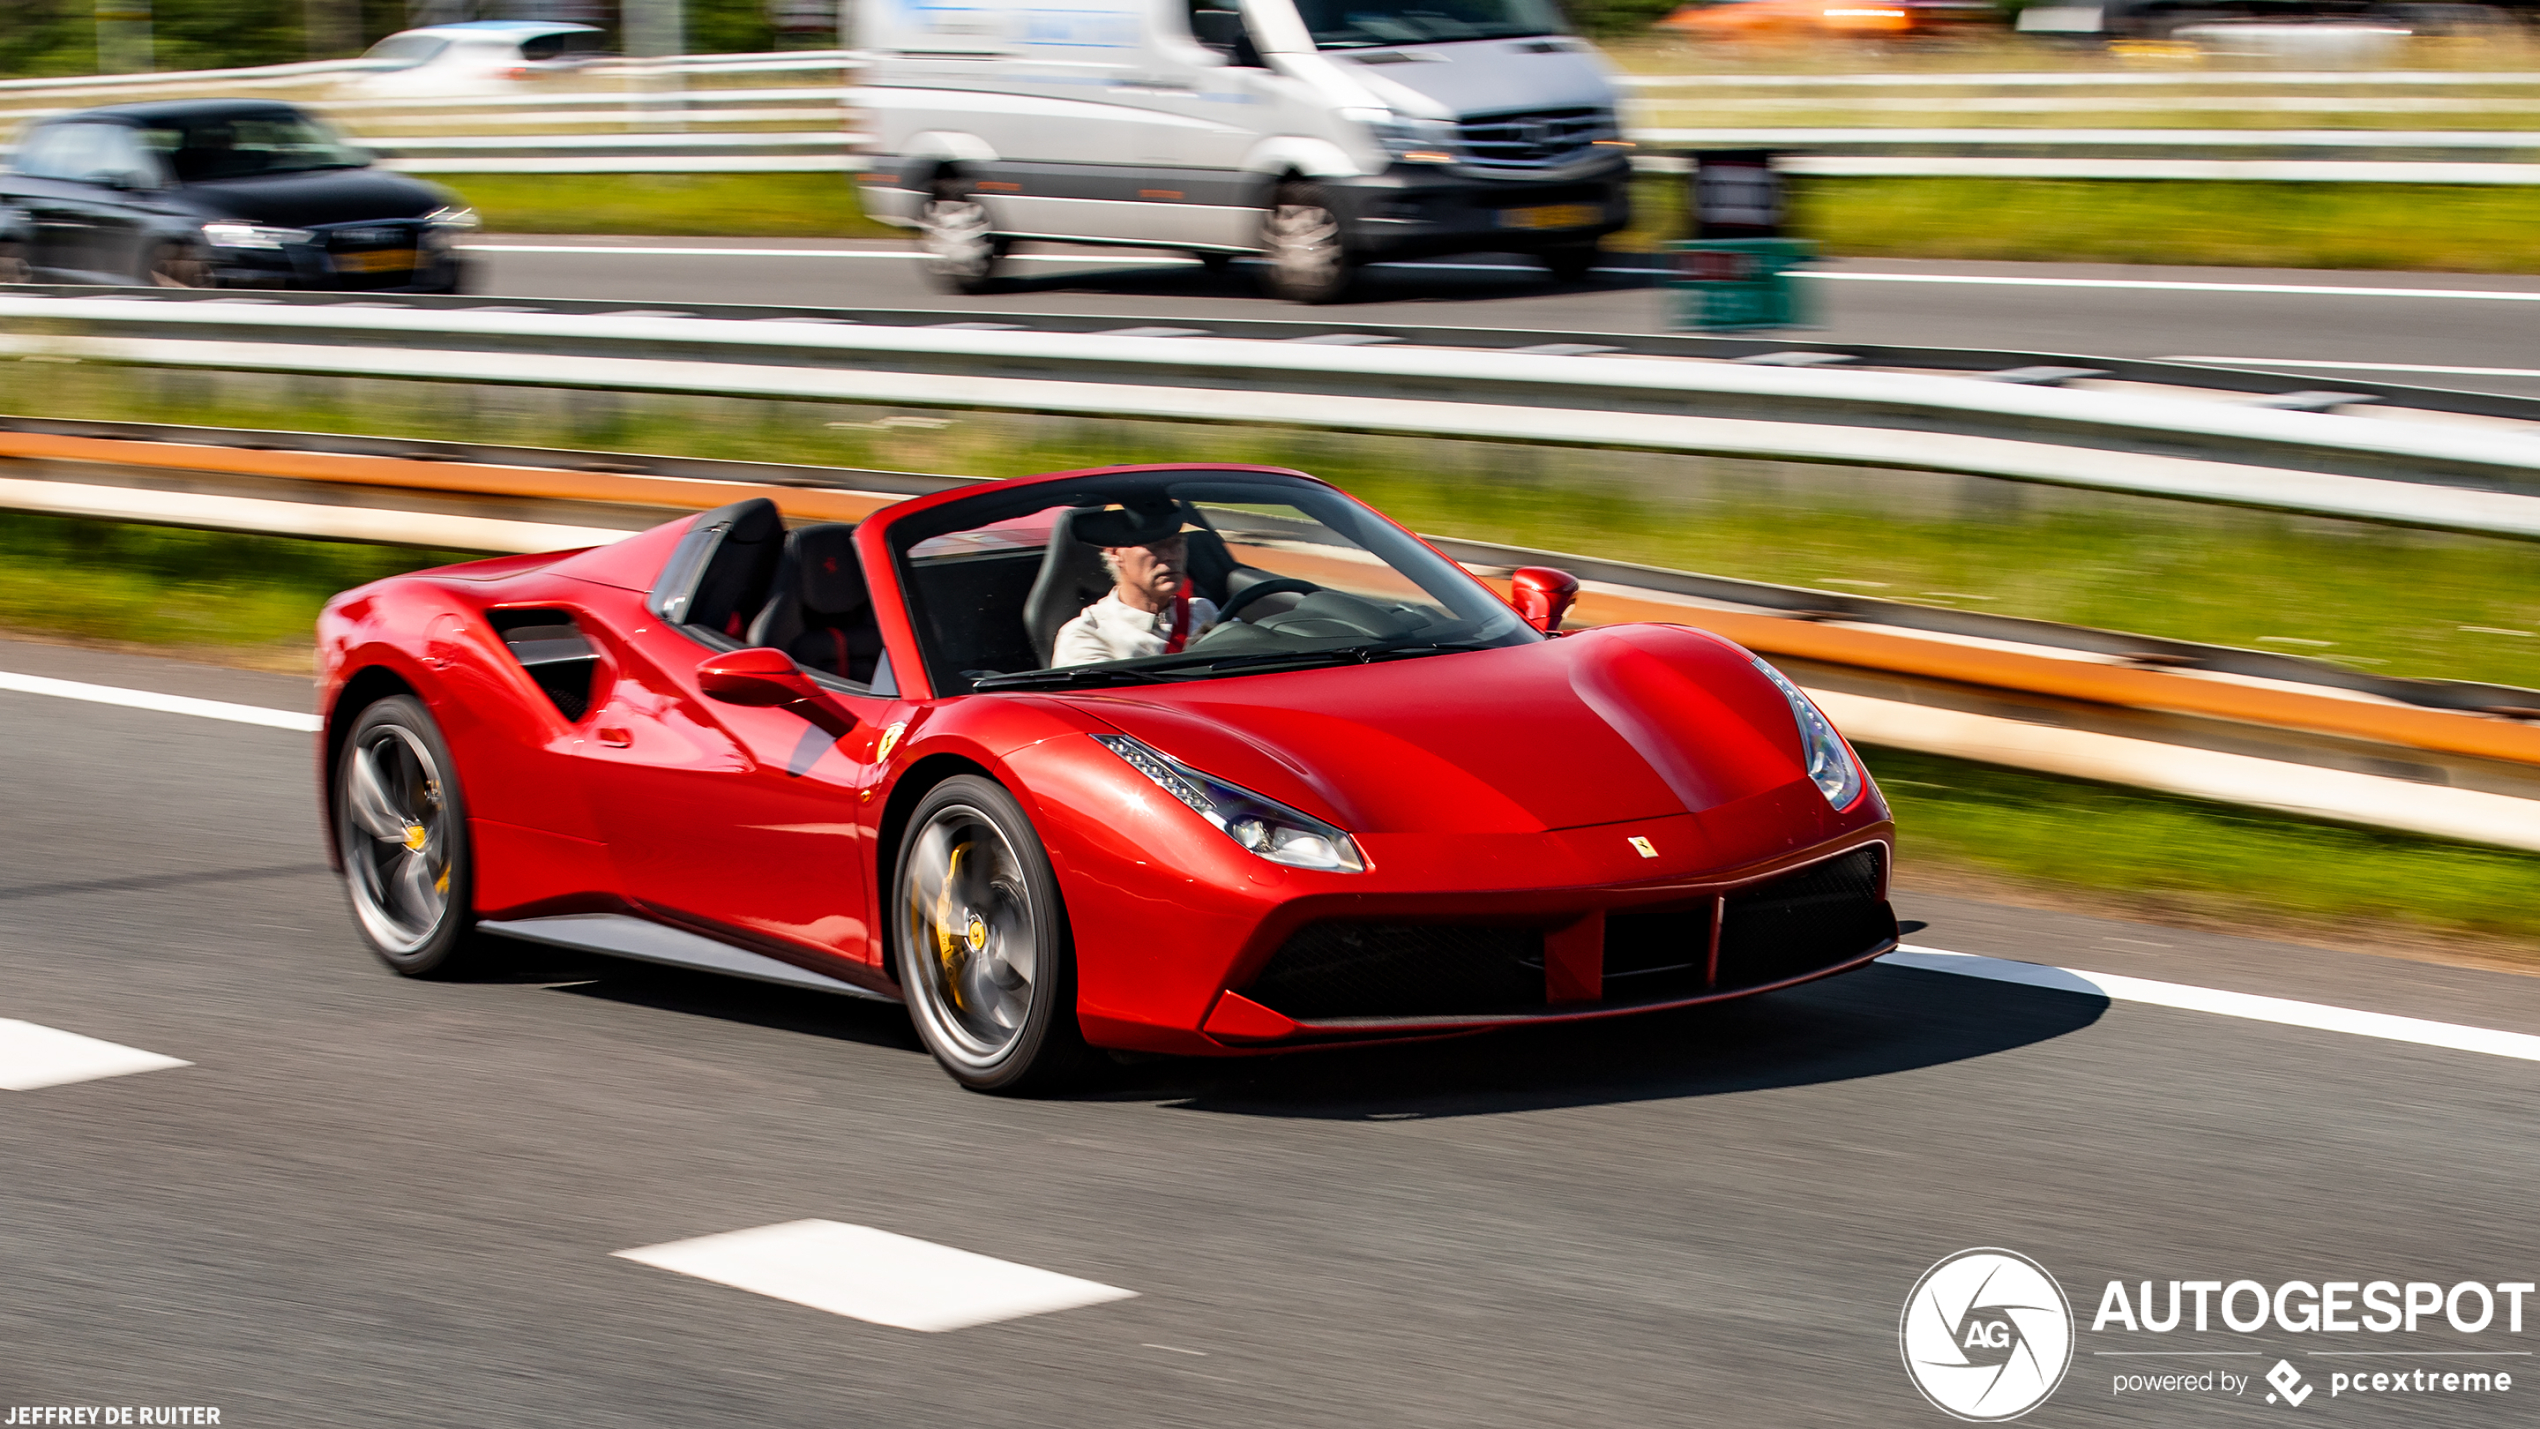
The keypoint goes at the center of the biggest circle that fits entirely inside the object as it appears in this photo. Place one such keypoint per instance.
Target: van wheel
(14, 267)
(1304, 258)
(962, 247)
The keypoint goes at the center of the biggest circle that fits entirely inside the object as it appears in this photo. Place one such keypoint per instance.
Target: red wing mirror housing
(755, 677)
(1543, 595)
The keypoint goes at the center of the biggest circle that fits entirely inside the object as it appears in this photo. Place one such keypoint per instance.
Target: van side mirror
(1543, 595)
(758, 676)
(1223, 31)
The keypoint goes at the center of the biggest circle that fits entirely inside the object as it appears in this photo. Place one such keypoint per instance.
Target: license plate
(381, 260)
(1551, 215)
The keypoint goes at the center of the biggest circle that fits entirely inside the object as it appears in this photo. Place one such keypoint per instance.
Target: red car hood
(1631, 722)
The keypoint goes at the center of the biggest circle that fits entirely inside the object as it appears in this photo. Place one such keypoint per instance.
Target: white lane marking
(2154, 285)
(33, 1056)
(2315, 1015)
(2364, 366)
(164, 704)
(875, 1276)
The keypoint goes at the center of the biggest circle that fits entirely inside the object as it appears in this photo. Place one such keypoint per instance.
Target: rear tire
(980, 941)
(15, 266)
(960, 239)
(1305, 258)
(401, 831)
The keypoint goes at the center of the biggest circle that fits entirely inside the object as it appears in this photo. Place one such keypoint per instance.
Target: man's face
(1157, 572)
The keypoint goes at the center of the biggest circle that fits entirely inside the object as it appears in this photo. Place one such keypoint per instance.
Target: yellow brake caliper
(950, 947)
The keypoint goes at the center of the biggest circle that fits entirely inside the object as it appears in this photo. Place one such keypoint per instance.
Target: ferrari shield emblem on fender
(1643, 847)
(890, 738)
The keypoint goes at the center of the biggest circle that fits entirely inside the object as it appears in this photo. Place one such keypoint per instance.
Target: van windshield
(1367, 24)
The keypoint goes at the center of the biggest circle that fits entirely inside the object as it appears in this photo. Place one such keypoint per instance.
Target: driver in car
(1149, 610)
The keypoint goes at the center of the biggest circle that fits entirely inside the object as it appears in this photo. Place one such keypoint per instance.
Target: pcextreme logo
(1986, 1335)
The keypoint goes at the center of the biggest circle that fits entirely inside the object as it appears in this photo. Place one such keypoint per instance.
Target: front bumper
(1419, 210)
(435, 266)
(1189, 945)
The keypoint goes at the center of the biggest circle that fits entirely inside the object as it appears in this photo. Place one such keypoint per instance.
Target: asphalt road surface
(2437, 330)
(380, 1202)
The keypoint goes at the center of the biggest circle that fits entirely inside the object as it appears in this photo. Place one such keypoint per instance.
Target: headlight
(1408, 139)
(1264, 826)
(460, 217)
(1829, 762)
(252, 235)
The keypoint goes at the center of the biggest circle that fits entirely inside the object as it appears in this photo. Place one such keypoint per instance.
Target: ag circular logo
(1986, 1335)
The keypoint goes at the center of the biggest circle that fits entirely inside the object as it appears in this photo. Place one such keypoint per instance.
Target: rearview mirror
(1543, 595)
(755, 677)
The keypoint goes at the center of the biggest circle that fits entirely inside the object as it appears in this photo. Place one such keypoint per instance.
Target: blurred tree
(1618, 18)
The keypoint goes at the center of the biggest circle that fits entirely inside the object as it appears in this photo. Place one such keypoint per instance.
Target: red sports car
(1182, 759)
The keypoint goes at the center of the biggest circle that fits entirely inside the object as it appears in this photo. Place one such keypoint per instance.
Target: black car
(225, 193)
(17, 242)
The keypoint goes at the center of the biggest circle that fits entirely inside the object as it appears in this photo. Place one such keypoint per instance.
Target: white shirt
(1112, 629)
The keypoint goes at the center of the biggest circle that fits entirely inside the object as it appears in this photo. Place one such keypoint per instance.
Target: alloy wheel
(972, 935)
(959, 238)
(396, 838)
(1301, 239)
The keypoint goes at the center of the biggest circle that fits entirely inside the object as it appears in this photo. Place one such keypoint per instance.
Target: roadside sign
(1730, 284)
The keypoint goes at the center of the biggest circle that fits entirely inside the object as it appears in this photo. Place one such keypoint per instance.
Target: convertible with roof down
(1324, 785)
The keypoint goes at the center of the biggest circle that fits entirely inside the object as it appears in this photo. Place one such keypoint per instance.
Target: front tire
(15, 265)
(960, 239)
(1305, 259)
(1571, 263)
(981, 942)
(177, 265)
(401, 831)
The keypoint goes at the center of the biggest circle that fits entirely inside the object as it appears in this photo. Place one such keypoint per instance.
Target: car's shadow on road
(1874, 1022)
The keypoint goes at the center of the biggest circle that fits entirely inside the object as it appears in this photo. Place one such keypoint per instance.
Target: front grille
(1810, 920)
(1534, 138)
(1801, 923)
(1330, 970)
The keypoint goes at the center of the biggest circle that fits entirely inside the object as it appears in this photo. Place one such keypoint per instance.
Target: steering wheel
(1279, 585)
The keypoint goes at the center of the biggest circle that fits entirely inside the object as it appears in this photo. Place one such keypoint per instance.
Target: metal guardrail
(2435, 475)
(2272, 731)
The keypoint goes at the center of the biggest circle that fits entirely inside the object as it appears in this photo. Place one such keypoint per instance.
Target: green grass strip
(2166, 858)
(718, 205)
(246, 596)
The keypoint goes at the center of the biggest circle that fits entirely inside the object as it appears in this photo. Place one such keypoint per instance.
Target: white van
(1319, 134)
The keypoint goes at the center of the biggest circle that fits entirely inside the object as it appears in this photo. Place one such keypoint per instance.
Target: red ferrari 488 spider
(1177, 760)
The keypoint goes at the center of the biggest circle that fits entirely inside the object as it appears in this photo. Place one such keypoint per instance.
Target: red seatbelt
(1181, 623)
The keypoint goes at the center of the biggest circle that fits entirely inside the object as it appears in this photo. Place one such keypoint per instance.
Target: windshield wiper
(1066, 676)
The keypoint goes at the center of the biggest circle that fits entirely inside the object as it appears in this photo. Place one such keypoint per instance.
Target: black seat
(746, 540)
(1072, 577)
(820, 611)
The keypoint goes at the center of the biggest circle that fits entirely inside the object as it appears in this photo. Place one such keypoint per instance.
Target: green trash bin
(1735, 284)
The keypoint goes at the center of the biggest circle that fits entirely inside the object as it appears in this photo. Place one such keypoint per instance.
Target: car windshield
(1137, 578)
(1366, 24)
(204, 148)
